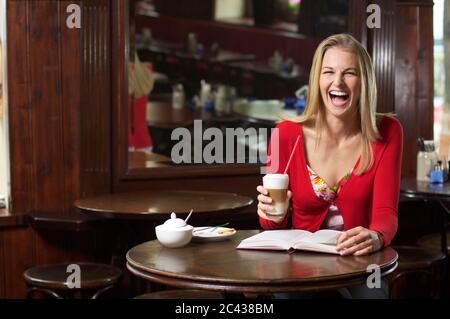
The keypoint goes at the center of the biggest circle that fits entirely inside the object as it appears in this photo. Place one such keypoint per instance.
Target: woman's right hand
(264, 205)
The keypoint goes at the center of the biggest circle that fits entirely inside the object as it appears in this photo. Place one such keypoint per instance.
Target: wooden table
(413, 189)
(130, 210)
(156, 205)
(220, 266)
(162, 115)
(137, 159)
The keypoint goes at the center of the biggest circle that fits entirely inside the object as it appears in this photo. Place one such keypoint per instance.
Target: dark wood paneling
(44, 90)
(20, 117)
(405, 85)
(53, 125)
(2, 267)
(9, 220)
(46, 107)
(414, 77)
(383, 55)
(357, 20)
(70, 64)
(425, 70)
(120, 58)
(96, 98)
(19, 254)
(60, 99)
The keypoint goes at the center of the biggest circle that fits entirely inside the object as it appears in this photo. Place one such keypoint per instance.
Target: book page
(323, 236)
(283, 239)
(323, 248)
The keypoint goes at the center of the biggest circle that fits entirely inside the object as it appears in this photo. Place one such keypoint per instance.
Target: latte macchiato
(277, 185)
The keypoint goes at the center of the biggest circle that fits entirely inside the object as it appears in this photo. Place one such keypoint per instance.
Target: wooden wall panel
(357, 20)
(56, 246)
(46, 108)
(44, 94)
(425, 70)
(20, 117)
(2, 267)
(70, 64)
(19, 254)
(382, 48)
(414, 77)
(48, 113)
(96, 98)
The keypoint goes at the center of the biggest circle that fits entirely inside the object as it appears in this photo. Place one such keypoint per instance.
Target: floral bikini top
(321, 188)
(334, 218)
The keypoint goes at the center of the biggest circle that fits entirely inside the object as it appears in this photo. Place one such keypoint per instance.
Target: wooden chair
(435, 242)
(418, 273)
(182, 294)
(56, 280)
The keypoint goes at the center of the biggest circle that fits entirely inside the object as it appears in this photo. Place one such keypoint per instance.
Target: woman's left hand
(358, 241)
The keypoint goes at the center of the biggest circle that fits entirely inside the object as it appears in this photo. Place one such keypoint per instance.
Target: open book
(293, 239)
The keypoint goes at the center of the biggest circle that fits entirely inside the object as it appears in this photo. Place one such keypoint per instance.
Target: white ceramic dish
(268, 110)
(209, 234)
(174, 232)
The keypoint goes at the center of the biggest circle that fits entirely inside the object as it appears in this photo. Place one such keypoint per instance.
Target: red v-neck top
(369, 200)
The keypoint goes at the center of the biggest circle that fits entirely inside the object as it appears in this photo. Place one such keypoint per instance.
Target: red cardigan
(369, 200)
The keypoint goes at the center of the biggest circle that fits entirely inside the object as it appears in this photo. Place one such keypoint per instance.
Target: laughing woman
(346, 173)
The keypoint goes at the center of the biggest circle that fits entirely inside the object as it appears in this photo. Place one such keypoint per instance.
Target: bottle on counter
(427, 158)
(221, 99)
(178, 96)
(437, 174)
(192, 43)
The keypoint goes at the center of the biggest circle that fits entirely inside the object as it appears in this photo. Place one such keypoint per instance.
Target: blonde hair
(314, 110)
(140, 79)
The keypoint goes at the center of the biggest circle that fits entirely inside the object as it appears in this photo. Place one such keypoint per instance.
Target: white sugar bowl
(174, 232)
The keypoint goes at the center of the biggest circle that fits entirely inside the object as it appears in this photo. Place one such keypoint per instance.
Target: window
(4, 153)
(441, 30)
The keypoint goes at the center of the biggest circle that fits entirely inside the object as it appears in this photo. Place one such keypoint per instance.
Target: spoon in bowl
(190, 213)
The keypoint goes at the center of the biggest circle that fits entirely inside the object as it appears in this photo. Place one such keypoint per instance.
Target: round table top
(412, 188)
(162, 115)
(220, 266)
(157, 204)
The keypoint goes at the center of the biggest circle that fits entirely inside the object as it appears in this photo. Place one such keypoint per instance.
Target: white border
(5, 185)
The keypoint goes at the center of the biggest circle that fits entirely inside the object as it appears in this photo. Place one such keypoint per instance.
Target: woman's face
(340, 82)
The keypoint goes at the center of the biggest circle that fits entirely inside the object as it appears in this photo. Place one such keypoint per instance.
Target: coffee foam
(276, 181)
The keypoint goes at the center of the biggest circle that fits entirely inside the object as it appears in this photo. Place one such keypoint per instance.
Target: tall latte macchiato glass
(277, 185)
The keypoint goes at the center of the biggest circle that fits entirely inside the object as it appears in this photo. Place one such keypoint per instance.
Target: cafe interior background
(67, 131)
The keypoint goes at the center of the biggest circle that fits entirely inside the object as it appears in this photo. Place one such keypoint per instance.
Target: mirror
(204, 91)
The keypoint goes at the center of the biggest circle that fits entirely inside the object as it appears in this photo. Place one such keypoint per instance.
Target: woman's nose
(338, 80)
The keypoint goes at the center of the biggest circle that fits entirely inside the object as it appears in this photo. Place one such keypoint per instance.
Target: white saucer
(209, 234)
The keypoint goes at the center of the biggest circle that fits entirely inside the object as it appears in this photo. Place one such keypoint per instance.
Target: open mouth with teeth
(339, 98)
